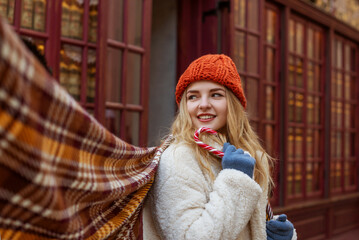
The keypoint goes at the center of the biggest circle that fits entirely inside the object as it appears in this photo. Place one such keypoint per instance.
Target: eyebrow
(212, 90)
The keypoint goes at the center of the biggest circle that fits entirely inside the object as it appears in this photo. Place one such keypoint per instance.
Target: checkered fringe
(62, 175)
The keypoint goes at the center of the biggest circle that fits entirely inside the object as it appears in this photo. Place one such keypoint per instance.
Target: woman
(197, 195)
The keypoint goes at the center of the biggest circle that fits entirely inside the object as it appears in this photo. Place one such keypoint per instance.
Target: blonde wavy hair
(237, 131)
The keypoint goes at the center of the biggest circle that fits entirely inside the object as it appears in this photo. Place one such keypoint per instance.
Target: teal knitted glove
(236, 159)
(279, 229)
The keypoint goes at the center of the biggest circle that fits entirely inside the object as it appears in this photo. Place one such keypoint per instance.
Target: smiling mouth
(206, 117)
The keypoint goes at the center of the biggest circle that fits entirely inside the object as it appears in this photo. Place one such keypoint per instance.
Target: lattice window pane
(239, 51)
(291, 68)
(252, 54)
(309, 177)
(135, 22)
(93, 22)
(299, 102)
(270, 65)
(290, 173)
(270, 94)
(114, 75)
(316, 145)
(115, 20)
(269, 138)
(113, 121)
(298, 179)
(132, 121)
(298, 139)
(271, 26)
(70, 69)
(310, 46)
(72, 19)
(299, 73)
(253, 9)
(310, 76)
(33, 14)
(252, 97)
(299, 30)
(240, 13)
(290, 143)
(133, 79)
(91, 76)
(7, 10)
(310, 143)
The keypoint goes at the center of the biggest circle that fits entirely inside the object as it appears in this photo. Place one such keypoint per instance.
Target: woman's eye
(191, 97)
(217, 95)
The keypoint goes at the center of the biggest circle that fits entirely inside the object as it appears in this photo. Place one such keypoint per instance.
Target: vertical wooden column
(283, 118)
(357, 119)
(53, 27)
(125, 69)
(144, 91)
(209, 18)
(261, 69)
(17, 15)
(101, 59)
(84, 55)
(55, 36)
(189, 32)
(327, 110)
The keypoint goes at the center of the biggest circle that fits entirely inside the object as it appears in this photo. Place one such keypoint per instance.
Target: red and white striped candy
(206, 146)
(269, 212)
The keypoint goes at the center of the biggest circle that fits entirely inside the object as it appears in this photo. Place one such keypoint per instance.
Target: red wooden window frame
(248, 28)
(39, 35)
(256, 83)
(53, 40)
(297, 129)
(122, 106)
(271, 90)
(83, 43)
(344, 101)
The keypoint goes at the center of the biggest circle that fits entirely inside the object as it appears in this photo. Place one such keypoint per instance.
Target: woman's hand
(237, 159)
(279, 229)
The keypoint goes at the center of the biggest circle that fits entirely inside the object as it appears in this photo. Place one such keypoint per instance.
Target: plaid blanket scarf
(62, 175)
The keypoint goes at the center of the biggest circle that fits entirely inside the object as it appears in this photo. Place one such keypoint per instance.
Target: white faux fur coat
(184, 204)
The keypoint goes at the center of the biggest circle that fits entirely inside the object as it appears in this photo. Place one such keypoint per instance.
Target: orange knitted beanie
(212, 67)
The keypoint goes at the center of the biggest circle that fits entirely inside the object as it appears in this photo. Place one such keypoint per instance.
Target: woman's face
(207, 104)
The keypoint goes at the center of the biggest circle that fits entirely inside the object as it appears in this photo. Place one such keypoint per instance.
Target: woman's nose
(204, 103)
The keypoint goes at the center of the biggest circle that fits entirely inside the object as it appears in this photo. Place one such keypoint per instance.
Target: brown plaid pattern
(62, 175)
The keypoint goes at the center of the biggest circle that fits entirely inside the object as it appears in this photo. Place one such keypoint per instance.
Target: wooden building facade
(298, 60)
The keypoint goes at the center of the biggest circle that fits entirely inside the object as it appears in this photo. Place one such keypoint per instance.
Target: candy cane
(269, 212)
(206, 146)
